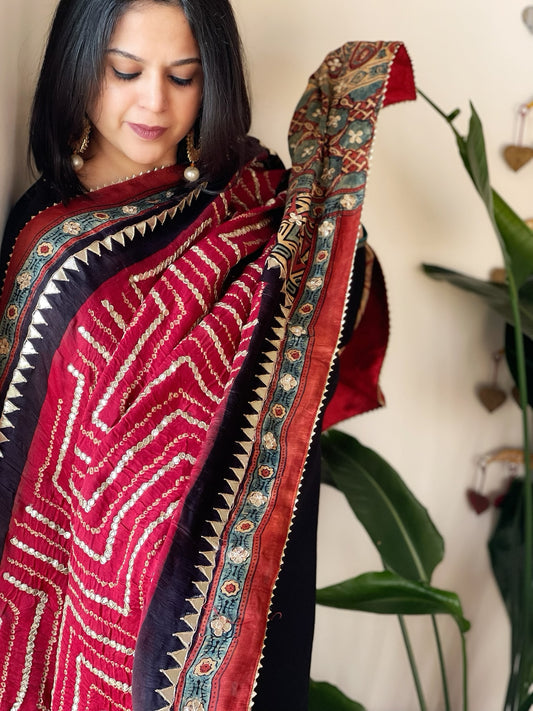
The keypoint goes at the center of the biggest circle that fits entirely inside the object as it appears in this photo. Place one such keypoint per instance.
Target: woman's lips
(148, 133)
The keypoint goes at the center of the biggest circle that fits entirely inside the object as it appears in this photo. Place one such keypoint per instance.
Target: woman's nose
(154, 94)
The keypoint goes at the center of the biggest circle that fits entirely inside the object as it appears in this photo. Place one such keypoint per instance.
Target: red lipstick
(148, 133)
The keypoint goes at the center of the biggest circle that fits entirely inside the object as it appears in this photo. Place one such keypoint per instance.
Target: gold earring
(191, 172)
(82, 145)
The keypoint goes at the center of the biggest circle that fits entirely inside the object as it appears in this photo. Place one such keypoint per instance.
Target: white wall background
(420, 207)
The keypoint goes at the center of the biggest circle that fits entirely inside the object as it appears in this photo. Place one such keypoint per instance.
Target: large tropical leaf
(387, 593)
(507, 554)
(517, 238)
(527, 703)
(326, 697)
(512, 545)
(399, 526)
(494, 294)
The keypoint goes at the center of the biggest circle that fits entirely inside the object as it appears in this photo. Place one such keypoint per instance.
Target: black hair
(73, 68)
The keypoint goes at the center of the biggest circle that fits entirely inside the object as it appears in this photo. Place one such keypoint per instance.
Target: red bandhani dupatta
(166, 360)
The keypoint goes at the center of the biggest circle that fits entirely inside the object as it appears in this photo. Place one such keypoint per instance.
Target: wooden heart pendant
(491, 396)
(517, 156)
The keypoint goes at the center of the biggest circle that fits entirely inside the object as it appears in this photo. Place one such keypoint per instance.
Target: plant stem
(528, 502)
(447, 117)
(412, 663)
(520, 673)
(465, 672)
(441, 664)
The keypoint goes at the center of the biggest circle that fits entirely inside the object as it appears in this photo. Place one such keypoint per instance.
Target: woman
(167, 349)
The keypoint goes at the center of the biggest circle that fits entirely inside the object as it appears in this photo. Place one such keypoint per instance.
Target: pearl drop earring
(76, 159)
(191, 172)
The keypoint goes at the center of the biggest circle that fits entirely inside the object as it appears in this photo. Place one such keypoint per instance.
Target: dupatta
(166, 358)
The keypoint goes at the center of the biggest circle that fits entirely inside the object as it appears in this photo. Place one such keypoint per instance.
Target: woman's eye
(179, 81)
(125, 76)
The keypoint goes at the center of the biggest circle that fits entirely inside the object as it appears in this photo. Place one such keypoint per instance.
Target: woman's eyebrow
(128, 55)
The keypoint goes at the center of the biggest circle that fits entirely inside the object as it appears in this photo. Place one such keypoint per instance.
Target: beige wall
(420, 207)
(23, 26)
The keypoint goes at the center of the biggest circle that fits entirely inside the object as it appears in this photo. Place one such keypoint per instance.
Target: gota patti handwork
(165, 359)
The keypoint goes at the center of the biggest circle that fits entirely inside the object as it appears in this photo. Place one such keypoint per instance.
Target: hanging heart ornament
(478, 502)
(491, 396)
(517, 156)
(527, 16)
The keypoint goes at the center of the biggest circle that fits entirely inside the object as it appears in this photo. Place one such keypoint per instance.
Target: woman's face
(151, 92)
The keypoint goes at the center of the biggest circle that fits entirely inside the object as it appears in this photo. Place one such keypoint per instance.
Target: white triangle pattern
(30, 346)
(218, 526)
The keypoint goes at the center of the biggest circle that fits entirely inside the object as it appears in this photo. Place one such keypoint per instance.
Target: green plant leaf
(526, 293)
(526, 704)
(399, 526)
(453, 115)
(386, 593)
(477, 158)
(516, 243)
(326, 697)
(510, 355)
(517, 238)
(493, 294)
(507, 553)
(326, 477)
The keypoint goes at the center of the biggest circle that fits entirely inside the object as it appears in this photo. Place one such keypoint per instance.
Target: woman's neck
(95, 175)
